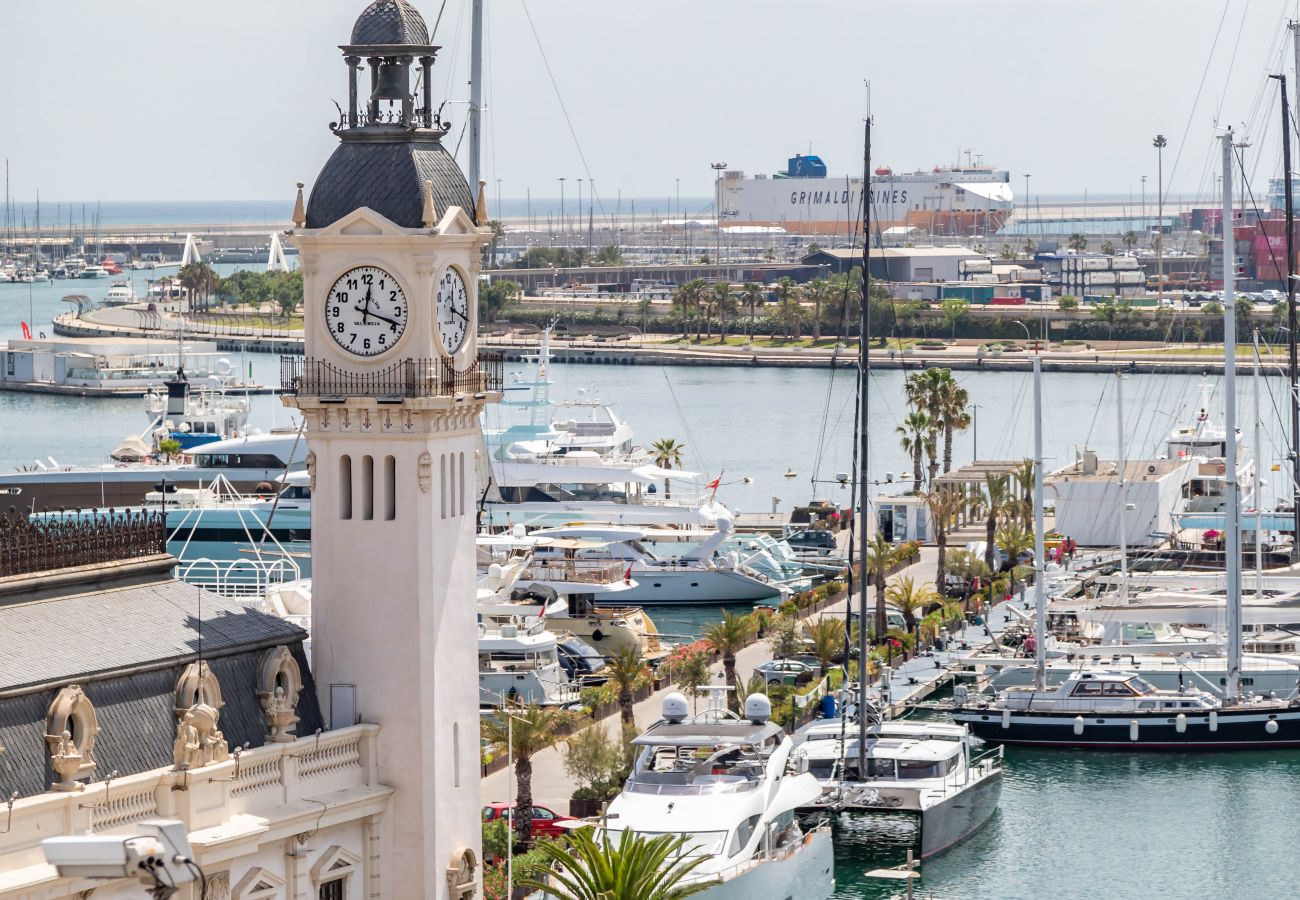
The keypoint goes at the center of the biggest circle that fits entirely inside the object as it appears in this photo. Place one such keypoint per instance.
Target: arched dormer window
(70, 730)
(197, 684)
(279, 682)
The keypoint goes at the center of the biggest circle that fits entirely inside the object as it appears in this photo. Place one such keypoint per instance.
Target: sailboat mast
(1258, 489)
(1292, 373)
(1123, 489)
(1040, 567)
(864, 370)
(1232, 499)
(475, 93)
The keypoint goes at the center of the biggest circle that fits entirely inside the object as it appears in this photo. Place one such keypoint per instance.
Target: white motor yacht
(577, 597)
(929, 769)
(701, 575)
(521, 664)
(725, 783)
(120, 294)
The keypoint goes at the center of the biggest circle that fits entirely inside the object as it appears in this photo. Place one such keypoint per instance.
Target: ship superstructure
(958, 200)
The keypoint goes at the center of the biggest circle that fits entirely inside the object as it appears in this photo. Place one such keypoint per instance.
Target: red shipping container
(1007, 301)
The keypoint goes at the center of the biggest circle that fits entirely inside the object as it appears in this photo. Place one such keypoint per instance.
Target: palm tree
(788, 309)
(1078, 243)
(939, 394)
(725, 305)
(591, 867)
(1130, 239)
(817, 290)
(728, 638)
(667, 453)
(1108, 247)
(996, 503)
(827, 636)
(754, 296)
(913, 434)
(911, 598)
(1014, 540)
(498, 230)
(880, 556)
(198, 278)
(524, 732)
(624, 669)
(685, 298)
(944, 504)
(1024, 482)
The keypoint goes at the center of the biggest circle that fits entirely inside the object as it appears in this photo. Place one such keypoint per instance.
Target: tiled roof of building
(388, 177)
(390, 22)
(77, 637)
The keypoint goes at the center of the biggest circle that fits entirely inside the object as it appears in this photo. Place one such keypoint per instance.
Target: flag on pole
(27, 331)
(714, 484)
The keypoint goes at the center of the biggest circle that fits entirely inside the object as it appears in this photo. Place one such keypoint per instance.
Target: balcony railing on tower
(404, 379)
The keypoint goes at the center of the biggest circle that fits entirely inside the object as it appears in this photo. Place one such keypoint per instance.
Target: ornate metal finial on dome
(299, 209)
(480, 207)
(430, 215)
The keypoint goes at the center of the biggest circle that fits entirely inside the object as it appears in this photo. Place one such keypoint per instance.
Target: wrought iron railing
(81, 538)
(408, 378)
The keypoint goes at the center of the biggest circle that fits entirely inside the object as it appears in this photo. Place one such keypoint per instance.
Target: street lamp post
(579, 205)
(1026, 206)
(1144, 205)
(681, 223)
(561, 180)
(718, 169)
(975, 427)
(1160, 143)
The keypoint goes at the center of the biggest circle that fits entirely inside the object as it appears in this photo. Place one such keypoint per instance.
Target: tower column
(352, 62)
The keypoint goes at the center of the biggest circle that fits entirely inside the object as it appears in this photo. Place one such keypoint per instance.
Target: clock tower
(390, 388)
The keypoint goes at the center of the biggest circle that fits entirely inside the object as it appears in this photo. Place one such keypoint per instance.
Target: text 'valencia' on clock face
(453, 310)
(366, 311)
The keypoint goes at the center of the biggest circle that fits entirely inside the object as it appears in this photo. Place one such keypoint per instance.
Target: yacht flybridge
(928, 769)
(727, 785)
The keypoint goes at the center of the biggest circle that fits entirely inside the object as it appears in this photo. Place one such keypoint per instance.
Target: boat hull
(806, 874)
(951, 821)
(1229, 730)
(694, 587)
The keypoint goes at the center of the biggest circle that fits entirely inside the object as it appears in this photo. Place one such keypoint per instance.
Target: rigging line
(830, 386)
(686, 425)
(1191, 115)
(560, 99)
(1241, 166)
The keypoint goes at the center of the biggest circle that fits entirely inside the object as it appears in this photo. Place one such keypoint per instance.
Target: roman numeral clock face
(453, 310)
(366, 311)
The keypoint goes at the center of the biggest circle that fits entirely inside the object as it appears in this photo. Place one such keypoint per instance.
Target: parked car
(786, 671)
(813, 541)
(545, 822)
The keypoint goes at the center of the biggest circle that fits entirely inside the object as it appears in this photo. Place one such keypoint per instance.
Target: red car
(545, 822)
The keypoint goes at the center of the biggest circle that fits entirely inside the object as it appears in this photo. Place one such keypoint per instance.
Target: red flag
(627, 576)
(714, 484)
(27, 331)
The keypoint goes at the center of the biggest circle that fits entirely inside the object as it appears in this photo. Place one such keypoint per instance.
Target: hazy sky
(229, 99)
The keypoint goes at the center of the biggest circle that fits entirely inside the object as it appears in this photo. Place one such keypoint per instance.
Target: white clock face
(453, 310)
(366, 311)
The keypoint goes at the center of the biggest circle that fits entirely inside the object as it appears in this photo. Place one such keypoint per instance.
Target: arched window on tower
(345, 486)
(390, 488)
(367, 487)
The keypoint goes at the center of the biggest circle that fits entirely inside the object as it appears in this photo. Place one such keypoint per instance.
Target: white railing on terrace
(263, 779)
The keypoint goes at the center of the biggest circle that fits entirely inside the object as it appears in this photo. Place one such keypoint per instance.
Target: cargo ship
(946, 200)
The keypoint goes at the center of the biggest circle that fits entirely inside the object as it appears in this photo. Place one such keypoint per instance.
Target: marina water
(1071, 824)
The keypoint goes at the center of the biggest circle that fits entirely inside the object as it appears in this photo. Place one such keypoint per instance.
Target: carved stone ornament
(424, 472)
(279, 681)
(198, 741)
(461, 883)
(311, 470)
(197, 684)
(70, 730)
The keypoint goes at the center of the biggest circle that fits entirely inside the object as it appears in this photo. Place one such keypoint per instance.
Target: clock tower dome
(390, 387)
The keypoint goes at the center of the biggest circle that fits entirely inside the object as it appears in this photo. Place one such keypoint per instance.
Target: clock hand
(365, 312)
(457, 312)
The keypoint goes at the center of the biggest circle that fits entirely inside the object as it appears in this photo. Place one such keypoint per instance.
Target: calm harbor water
(1071, 824)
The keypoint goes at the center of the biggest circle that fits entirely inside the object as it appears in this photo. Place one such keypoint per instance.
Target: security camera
(160, 855)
